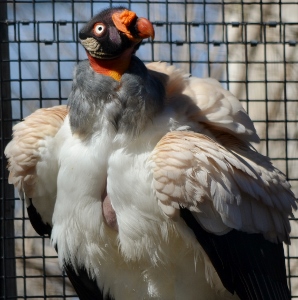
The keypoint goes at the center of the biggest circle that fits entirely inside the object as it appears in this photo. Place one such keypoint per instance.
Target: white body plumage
(149, 251)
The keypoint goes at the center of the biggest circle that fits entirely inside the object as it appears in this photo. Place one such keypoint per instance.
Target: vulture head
(112, 37)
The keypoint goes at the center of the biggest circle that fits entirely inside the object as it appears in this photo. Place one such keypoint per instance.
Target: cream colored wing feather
(224, 182)
(205, 101)
(32, 162)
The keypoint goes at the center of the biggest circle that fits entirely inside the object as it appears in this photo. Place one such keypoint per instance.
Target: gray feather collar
(128, 105)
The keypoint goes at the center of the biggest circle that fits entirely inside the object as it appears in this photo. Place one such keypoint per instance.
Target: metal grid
(250, 46)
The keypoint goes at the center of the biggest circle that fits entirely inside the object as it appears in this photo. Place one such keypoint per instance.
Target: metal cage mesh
(249, 46)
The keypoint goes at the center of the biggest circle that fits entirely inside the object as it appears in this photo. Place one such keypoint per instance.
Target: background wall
(249, 46)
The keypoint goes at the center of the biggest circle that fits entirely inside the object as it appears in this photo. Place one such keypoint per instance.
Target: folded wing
(233, 199)
(33, 163)
(224, 182)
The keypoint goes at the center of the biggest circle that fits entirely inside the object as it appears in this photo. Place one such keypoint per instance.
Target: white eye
(99, 29)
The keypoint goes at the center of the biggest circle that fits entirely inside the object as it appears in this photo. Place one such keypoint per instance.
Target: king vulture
(147, 183)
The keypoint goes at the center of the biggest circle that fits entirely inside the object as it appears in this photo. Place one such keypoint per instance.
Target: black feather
(37, 223)
(247, 264)
(85, 287)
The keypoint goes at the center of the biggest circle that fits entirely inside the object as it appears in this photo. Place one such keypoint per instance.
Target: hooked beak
(136, 29)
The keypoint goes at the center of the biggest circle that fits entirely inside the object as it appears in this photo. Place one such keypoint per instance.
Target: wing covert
(204, 101)
(224, 182)
(32, 163)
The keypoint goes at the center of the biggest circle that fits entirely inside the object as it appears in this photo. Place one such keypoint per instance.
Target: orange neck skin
(114, 68)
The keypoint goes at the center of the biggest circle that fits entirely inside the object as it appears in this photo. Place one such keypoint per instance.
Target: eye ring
(99, 29)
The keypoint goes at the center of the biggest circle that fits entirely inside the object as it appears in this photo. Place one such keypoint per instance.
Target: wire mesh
(249, 46)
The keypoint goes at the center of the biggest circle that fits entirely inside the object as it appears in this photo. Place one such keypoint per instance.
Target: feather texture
(222, 176)
(205, 101)
(32, 160)
(26, 149)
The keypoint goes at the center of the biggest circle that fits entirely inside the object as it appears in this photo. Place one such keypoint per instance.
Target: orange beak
(124, 19)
